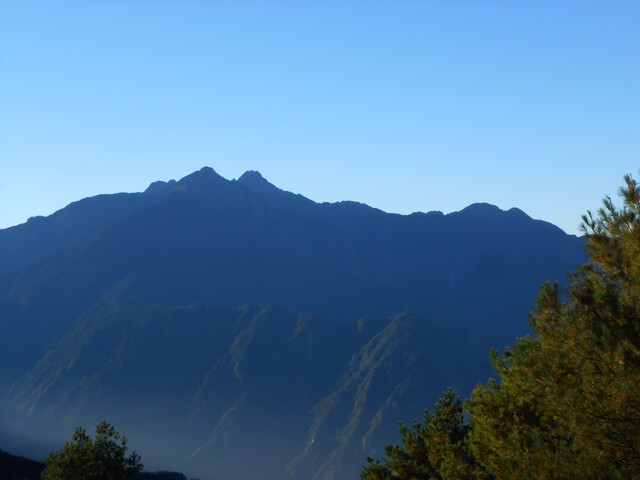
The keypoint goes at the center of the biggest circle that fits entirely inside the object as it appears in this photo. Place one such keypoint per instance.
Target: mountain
(250, 379)
(216, 318)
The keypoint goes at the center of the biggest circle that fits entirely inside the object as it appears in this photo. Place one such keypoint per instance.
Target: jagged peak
(159, 186)
(255, 181)
(201, 180)
(205, 173)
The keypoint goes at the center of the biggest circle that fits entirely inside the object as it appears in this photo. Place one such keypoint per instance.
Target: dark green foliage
(568, 403)
(436, 449)
(84, 458)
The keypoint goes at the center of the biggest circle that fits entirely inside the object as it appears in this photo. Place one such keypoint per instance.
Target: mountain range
(216, 320)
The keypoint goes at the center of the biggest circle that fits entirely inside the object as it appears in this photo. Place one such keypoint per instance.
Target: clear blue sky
(405, 106)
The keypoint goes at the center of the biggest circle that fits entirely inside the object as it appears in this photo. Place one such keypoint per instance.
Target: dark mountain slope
(403, 364)
(233, 242)
(134, 316)
(27, 242)
(14, 467)
(250, 379)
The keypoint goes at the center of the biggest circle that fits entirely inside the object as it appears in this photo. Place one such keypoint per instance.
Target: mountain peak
(251, 176)
(202, 179)
(516, 212)
(255, 181)
(205, 173)
(159, 186)
(482, 208)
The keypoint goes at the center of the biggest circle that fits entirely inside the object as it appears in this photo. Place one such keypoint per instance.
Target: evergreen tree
(436, 449)
(84, 458)
(568, 401)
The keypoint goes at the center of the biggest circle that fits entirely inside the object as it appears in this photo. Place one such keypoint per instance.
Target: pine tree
(435, 449)
(568, 401)
(84, 458)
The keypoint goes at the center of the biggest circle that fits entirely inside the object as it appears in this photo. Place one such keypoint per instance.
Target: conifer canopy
(102, 458)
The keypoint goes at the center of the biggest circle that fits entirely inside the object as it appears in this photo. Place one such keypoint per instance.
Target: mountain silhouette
(247, 310)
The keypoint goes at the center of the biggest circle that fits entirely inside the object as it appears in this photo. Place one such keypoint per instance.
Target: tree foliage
(436, 449)
(84, 458)
(566, 404)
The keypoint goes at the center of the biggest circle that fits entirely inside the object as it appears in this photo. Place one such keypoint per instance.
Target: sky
(403, 105)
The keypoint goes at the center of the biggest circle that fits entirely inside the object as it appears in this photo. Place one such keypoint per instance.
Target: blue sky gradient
(405, 106)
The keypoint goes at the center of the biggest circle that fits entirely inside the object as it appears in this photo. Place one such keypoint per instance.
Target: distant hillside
(14, 467)
(233, 315)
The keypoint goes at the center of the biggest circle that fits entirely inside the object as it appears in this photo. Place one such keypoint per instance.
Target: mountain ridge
(231, 310)
(121, 204)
